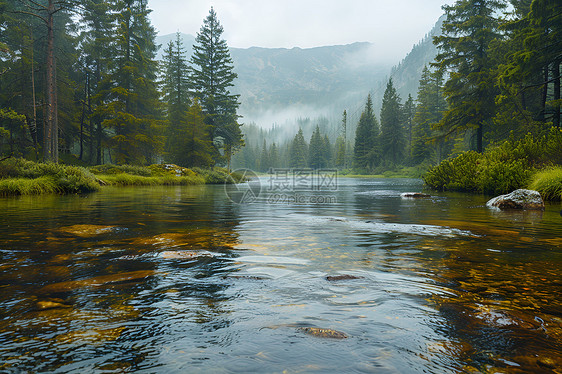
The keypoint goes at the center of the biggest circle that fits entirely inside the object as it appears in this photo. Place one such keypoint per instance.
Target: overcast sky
(394, 26)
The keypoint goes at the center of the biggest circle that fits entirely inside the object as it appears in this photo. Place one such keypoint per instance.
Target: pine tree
(339, 158)
(212, 76)
(408, 112)
(298, 152)
(175, 91)
(316, 150)
(97, 52)
(392, 134)
(429, 111)
(327, 154)
(274, 156)
(264, 162)
(198, 147)
(469, 29)
(366, 152)
(132, 103)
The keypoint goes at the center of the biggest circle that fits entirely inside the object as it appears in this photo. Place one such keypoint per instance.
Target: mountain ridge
(280, 84)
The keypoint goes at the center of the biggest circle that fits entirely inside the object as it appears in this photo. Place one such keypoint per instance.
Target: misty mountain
(279, 83)
(407, 73)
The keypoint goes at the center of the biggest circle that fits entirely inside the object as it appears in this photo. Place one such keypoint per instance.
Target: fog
(392, 26)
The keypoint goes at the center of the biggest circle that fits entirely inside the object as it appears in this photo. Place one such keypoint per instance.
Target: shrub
(455, 174)
(499, 177)
(502, 168)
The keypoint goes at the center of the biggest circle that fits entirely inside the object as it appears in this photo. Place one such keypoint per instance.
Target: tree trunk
(556, 77)
(479, 135)
(50, 130)
(542, 115)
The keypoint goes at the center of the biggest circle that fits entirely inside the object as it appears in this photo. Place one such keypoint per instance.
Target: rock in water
(323, 333)
(413, 195)
(333, 278)
(518, 199)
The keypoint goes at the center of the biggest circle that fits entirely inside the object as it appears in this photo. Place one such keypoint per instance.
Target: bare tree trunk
(50, 131)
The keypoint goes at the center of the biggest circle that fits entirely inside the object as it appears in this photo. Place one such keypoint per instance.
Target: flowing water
(181, 279)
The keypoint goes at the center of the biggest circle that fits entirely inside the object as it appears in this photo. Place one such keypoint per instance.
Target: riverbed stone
(518, 199)
(323, 333)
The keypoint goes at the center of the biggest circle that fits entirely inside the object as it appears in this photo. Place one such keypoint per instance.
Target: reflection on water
(180, 279)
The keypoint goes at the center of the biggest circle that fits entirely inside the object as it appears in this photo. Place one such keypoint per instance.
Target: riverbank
(534, 162)
(24, 177)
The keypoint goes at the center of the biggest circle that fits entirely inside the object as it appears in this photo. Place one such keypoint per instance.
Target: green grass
(24, 177)
(548, 183)
(138, 180)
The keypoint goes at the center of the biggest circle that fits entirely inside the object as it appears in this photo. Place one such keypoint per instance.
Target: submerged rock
(323, 333)
(86, 230)
(333, 278)
(46, 304)
(518, 199)
(185, 255)
(413, 195)
(97, 281)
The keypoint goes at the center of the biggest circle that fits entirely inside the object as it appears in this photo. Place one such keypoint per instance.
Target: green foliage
(111, 169)
(499, 177)
(470, 27)
(212, 75)
(190, 143)
(455, 174)
(366, 150)
(298, 152)
(22, 177)
(502, 168)
(549, 183)
(392, 138)
(316, 151)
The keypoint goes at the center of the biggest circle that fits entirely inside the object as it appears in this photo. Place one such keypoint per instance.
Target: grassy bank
(532, 162)
(23, 177)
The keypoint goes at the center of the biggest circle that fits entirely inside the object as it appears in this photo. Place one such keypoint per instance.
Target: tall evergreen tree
(298, 152)
(429, 111)
(212, 76)
(274, 156)
(366, 152)
(316, 150)
(97, 52)
(264, 162)
(392, 134)
(327, 154)
(408, 112)
(175, 91)
(132, 104)
(468, 30)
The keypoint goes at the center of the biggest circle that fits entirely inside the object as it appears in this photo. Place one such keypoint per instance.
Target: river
(183, 279)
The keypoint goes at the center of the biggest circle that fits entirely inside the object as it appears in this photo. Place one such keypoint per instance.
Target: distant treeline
(496, 77)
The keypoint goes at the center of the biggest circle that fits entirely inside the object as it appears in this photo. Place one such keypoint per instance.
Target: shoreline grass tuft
(548, 183)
